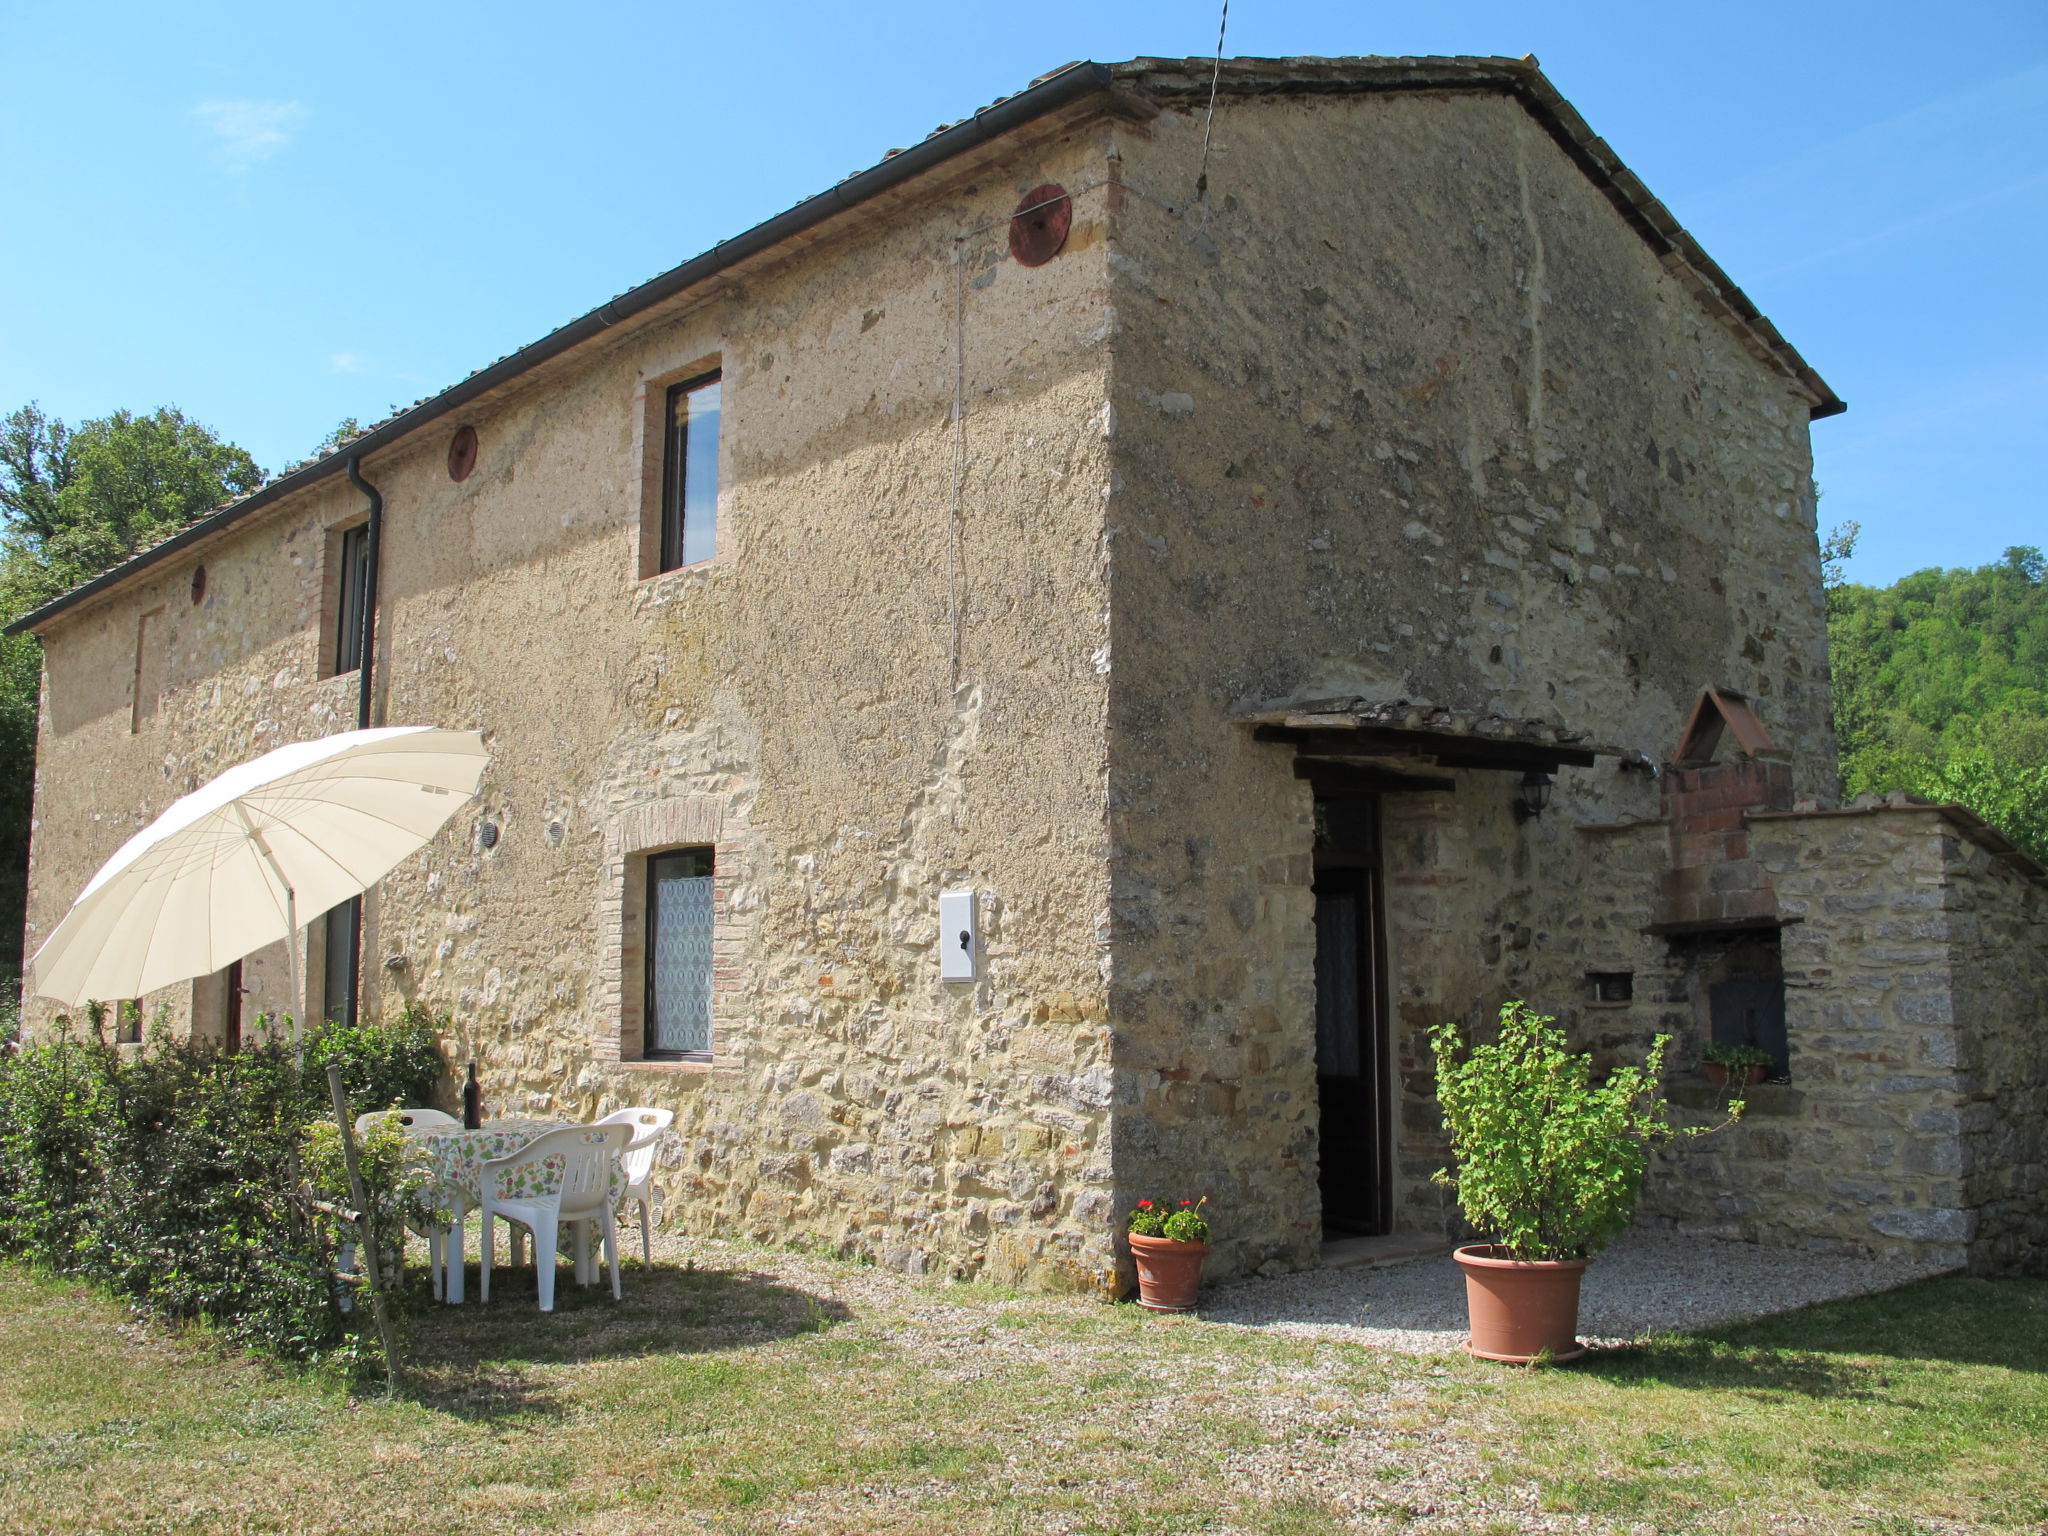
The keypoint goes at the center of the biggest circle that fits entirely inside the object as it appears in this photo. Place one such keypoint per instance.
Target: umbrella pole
(291, 924)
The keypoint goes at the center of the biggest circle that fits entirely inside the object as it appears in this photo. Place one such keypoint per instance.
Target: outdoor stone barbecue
(1266, 617)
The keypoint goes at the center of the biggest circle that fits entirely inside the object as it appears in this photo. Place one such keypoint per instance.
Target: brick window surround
(619, 998)
(651, 447)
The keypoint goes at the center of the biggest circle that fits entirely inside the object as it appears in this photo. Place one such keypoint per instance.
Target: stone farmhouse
(1031, 679)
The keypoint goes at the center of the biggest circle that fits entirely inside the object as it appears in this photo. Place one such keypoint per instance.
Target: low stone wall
(1998, 924)
(1915, 1122)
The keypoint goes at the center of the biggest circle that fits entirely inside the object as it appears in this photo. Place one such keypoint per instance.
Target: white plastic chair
(418, 1122)
(584, 1195)
(638, 1162)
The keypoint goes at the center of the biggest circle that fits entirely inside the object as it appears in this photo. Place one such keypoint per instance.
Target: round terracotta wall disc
(462, 453)
(1039, 226)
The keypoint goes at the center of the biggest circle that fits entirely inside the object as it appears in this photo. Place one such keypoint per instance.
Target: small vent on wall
(1039, 226)
(1612, 986)
(462, 452)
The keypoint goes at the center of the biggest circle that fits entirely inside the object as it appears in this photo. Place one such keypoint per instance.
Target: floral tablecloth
(458, 1158)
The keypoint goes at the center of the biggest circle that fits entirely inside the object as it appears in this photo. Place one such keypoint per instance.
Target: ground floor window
(339, 974)
(231, 1008)
(679, 917)
(126, 1018)
(1740, 978)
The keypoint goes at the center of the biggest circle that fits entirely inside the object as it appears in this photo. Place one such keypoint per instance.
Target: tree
(1941, 688)
(73, 503)
(77, 501)
(1836, 551)
(344, 430)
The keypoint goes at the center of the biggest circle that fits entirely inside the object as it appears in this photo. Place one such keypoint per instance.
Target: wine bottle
(472, 1102)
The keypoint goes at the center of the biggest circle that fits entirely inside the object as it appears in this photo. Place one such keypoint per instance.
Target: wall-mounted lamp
(1532, 795)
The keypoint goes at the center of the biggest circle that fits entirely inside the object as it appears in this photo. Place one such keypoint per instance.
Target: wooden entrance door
(1352, 1056)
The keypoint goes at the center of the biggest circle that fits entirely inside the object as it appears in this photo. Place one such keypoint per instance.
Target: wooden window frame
(671, 521)
(349, 549)
(352, 978)
(231, 1007)
(124, 1015)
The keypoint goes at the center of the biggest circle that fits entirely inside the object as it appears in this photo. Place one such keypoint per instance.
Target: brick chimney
(1713, 882)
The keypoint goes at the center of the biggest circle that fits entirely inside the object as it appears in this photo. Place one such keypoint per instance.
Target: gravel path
(1647, 1283)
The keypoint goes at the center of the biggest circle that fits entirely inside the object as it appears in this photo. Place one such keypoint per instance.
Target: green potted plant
(1549, 1165)
(1168, 1244)
(1741, 1062)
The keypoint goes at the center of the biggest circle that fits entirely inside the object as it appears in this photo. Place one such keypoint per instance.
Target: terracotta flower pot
(1169, 1272)
(1521, 1310)
(1717, 1072)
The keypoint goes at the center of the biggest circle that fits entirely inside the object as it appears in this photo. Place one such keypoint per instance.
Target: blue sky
(279, 215)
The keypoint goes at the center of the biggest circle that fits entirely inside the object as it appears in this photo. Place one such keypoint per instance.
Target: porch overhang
(1362, 734)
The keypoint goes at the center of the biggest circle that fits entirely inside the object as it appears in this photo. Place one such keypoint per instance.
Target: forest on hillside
(1941, 688)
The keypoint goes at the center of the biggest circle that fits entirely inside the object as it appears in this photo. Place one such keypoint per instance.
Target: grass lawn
(751, 1392)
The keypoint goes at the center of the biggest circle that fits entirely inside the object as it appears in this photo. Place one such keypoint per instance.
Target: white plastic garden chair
(417, 1123)
(638, 1162)
(584, 1195)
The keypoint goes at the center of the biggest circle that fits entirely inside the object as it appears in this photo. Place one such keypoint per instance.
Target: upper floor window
(689, 473)
(352, 582)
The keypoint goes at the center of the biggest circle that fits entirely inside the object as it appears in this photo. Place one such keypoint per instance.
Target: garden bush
(381, 1064)
(1549, 1161)
(173, 1175)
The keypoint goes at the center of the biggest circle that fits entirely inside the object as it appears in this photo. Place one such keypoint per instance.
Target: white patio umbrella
(227, 869)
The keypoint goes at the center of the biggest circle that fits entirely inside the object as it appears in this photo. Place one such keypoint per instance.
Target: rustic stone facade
(1413, 406)
(1412, 416)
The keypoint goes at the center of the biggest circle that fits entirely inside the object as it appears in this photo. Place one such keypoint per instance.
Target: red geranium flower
(1144, 1205)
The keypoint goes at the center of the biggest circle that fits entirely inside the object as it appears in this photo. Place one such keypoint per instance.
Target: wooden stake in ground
(366, 1226)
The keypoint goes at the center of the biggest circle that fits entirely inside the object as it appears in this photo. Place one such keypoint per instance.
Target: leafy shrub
(1549, 1163)
(1739, 1056)
(396, 1183)
(175, 1176)
(52, 1102)
(381, 1064)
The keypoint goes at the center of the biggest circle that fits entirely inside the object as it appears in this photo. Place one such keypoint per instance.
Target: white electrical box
(959, 936)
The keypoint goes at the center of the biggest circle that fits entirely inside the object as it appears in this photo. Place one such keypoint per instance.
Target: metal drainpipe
(373, 555)
(366, 662)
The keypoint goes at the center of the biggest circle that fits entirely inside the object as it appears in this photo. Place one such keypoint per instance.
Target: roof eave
(1523, 78)
(1043, 96)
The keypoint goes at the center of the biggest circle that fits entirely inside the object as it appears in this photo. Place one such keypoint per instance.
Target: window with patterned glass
(679, 915)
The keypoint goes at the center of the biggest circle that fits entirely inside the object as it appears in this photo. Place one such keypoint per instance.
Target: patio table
(457, 1158)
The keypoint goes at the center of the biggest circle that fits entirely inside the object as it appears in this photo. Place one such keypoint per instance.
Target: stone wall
(1405, 410)
(1912, 1123)
(1998, 924)
(889, 681)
